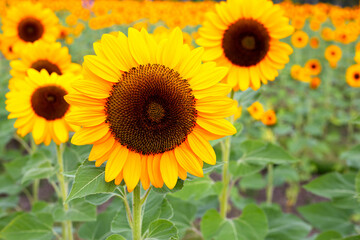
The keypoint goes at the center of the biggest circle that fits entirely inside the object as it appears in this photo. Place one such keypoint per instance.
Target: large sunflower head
(28, 22)
(150, 108)
(353, 75)
(244, 36)
(39, 106)
(42, 55)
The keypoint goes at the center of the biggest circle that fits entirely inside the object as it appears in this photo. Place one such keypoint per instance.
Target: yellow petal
(90, 135)
(202, 148)
(188, 161)
(132, 170)
(169, 169)
(116, 162)
(217, 126)
(39, 129)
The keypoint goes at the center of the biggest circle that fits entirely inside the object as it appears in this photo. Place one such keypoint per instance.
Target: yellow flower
(299, 39)
(314, 42)
(314, 66)
(256, 110)
(244, 36)
(40, 108)
(41, 55)
(149, 109)
(353, 75)
(315, 83)
(327, 34)
(333, 54)
(295, 71)
(269, 118)
(7, 49)
(315, 25)
(27, 22)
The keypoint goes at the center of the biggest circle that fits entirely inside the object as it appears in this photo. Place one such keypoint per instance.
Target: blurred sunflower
(333, 54)
(327, 34)
(149, 109)
(295, 71)
(353, 75)
(7, 49)
(28, 22)
(299, 39)
(314, 42)
(269, 118)
(314, 66)
(42, 55)
(315, 83)
(256, 110)
(244, 36)
(40, 108)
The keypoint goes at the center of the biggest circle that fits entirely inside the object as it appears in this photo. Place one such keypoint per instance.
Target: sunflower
(256, 110)
(41, 55)
(39, 106)
(299, 39)
(353, 75)
(7, 49)
(314, 66)
(327, 34)
(27, 22)
(149, 109)
(315, 83)
(314, 42)
(269, 118)
(244, 36)
(295, 71)
(333, 54)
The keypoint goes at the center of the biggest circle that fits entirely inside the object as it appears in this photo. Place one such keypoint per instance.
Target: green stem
(23, 143)
(36, 190)
(270, 185)
(226, 148)
(128, 211)
(66, 225)
(136, 214)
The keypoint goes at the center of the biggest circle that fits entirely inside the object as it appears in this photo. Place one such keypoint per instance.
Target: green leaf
(152, 209)
(15, 167)
(90, 180)
(98, 199)
(332, 185)
(252, 224)
(115, 237)
(99, 229)
(8, 185)
(357, 183)
(79, 211)
(255, 182)
(161, 230)
(196, 189)
(260, 152)
(182, 219)
(329, 235)
(285, 226)
(352, 157)
(324, 216)
(38, 167)
(72, 161)
(357, 237)
(120, 223)
(9, 201)
(179, 185)
(241, 168)
(28, 227)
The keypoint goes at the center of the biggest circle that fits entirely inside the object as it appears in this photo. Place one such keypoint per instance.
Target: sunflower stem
(225, 177)
(66, 225)
(270, 185)
(128, 211)
(136, 214)
(36, 190)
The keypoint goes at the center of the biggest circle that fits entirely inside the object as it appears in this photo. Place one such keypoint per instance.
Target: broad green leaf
(352, 157)
(152, 209)
(89, 180)
(252, 224)
(324, 216)
(72, 161)
(260, 152)
(115, 237)
(357, 237)
(9, 201)
(79, 211)
(255, 182)
(38, 167)
(8, 185)
(332, 185)
(161, 230)
(98, 230)
(285, 226)
(120, 223)
(329, 235)
(196, 189)
(181, 218)
(285, 173)
(179, 185)
(357, 183)
(15, 167)
(98, 199)
(28, 226)
(242, 168)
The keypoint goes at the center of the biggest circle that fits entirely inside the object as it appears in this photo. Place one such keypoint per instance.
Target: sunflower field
(193, 120)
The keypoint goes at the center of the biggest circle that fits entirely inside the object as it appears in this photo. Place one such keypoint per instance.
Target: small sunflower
(315, 83)
(7, 49)
(353, 75)
(149, 109)
(28, 22)
(314, 66)
(295, 71)
(327, 34)
(314, 42)
(42, 55)
(40, 108)
(299, 39)
(269, 118)
(256, 110)
(333, 54)
(244, 36)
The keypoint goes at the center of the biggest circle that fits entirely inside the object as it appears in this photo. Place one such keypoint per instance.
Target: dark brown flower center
(30, 29)
(356, 76)
(151, 109)
(246, 42)
(48, 102)
(47, 65)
